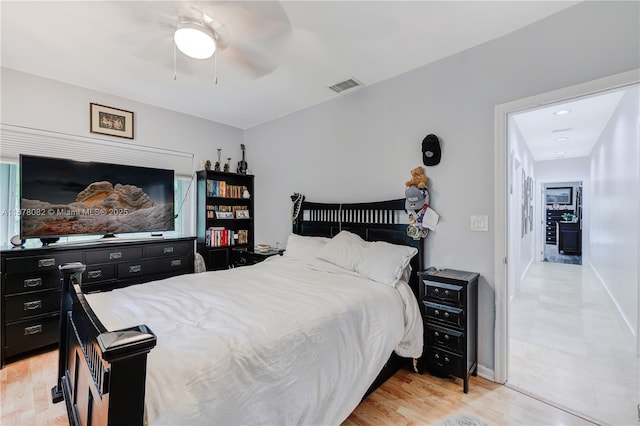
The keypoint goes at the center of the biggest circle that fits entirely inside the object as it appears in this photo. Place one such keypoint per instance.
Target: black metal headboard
(375, 221)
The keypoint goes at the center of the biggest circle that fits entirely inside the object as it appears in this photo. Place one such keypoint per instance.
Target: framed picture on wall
(111, 121)
(561, 195)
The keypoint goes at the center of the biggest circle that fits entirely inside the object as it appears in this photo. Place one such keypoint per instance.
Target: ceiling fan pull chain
(175, 74)
(215, 67)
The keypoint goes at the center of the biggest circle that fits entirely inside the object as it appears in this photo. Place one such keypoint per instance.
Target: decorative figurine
(227, 165)
(217, 165)
(207, 165)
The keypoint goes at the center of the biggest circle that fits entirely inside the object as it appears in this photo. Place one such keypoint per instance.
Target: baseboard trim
(486, 373)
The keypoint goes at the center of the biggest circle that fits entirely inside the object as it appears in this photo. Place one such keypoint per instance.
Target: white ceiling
(553, 137)
(280, 56)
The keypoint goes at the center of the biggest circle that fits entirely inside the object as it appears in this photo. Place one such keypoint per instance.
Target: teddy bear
(418, 178)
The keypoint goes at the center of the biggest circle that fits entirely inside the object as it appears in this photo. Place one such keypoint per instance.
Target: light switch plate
(480, 223)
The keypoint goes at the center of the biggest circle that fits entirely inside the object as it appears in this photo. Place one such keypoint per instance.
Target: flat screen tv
(61, 197)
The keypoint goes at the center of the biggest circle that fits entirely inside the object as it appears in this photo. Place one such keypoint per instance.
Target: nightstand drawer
(444, 292)
(447, 361)
(445, 314)
(31, 334)
(50, 262)
(31, 304)
(115, 254)
(447, 338)
(35, 281)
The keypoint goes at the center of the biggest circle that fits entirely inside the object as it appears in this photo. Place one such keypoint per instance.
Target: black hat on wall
(431, 150)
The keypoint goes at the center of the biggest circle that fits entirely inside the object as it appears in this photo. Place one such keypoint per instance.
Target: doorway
(506, 163)
(562, 222)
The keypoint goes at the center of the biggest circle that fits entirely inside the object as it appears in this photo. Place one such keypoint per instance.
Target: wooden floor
(405, 399)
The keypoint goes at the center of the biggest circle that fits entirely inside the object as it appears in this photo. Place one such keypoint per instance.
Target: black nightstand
(449, 304)
(245, 256)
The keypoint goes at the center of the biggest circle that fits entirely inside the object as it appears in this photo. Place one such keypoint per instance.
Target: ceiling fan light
(194, 39)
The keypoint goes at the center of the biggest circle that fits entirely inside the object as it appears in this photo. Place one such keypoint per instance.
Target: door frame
(501, 233)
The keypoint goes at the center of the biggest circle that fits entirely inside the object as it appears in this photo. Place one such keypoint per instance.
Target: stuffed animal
(418, 178)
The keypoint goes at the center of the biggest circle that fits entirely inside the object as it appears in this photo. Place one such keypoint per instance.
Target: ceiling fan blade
(251, 34)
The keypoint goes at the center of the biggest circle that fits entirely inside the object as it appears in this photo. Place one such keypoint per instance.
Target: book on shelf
(218, 236)
(220, 188)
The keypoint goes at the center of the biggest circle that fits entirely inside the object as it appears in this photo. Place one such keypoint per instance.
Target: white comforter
(279, 343)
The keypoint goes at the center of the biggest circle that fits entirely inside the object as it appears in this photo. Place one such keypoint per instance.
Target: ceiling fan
(248, 34)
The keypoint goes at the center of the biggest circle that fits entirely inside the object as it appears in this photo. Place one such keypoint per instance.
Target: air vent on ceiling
(345, 85)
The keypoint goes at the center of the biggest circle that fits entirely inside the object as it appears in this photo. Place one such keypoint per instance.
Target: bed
(296, 339)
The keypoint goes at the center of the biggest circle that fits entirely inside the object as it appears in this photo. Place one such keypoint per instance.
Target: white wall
(40, 103)
(615, 233)
(361, 145)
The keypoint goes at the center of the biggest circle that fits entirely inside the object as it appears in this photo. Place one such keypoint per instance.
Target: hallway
(569, 347)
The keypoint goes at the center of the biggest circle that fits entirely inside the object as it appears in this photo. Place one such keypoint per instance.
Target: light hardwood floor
(405, 399)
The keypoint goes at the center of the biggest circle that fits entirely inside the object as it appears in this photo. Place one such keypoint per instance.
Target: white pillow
(385, 262)
(302, 247)
(345, 250)
(377, 260)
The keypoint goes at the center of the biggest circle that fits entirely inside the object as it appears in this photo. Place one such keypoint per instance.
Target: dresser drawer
(98, 273)
(446, 361)
(447, 338)
(49, 262)
(168, 249)
(27, 305)
(170, 263)
(154, 266)
(31, 334)
(115, 254)
(21, 283)
(445, 314)
(134, 269)
(445, 292)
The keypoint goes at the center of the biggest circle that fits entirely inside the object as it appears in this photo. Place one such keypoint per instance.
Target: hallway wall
(615, 233)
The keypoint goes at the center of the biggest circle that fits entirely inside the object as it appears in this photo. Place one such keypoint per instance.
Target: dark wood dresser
(449, 304)
(553, 218)
(30, 289)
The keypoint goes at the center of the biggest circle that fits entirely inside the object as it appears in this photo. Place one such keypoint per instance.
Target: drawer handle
(446, 359)
(436, 356)
(435, 333)
(94, 274)
(436, 291)
(436, 312)
(33, 282)
(446, 314)
(43, 263)
(168, 250)
(176, 262)
(30, 306)
(446, 292)
(446, 337)
(115, 255)
(34, 329)
(135, 268)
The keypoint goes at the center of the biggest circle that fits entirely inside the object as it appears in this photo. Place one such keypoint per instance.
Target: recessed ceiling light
(562, 139)
(567, 129)
(562, 112)
(560, 154)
